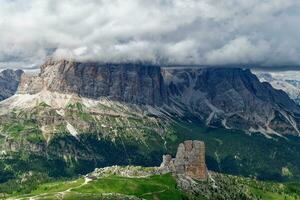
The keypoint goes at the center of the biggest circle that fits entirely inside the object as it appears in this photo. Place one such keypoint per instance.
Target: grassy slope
(163, 185)
(268, 194)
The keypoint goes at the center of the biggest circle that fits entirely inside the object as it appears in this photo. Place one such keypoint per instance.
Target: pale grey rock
(126, 171)
(30, 84)
(167, 164)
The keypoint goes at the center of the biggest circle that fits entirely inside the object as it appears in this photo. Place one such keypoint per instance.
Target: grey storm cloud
(202, 32)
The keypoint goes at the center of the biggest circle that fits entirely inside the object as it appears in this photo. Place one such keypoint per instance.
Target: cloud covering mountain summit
(206, 32)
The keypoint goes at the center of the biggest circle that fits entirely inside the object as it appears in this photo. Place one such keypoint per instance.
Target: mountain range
(228, 98)
(74, 116)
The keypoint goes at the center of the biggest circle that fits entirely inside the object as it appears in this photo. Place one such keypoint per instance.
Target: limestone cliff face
(189, 161)
(132, 83)
(9, 81)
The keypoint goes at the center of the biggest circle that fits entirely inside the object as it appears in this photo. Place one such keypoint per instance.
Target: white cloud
(240, 51)
(173, 31)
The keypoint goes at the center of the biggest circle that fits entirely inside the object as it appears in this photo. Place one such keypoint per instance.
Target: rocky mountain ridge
(233, 98)
(221, 97)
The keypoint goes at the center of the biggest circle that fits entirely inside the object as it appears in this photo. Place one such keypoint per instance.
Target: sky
(186, 32)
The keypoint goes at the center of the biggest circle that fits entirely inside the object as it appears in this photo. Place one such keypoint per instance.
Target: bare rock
(189, 161)
(131, 83)
(30, 84)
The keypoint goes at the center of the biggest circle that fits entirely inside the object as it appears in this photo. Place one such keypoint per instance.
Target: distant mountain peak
(285, 83)
(9, 81)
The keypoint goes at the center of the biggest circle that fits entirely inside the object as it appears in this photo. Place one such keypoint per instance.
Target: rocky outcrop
(189, 161)
(132, 83)
(9, 81)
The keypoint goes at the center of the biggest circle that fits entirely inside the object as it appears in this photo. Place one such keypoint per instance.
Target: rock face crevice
(189, 160)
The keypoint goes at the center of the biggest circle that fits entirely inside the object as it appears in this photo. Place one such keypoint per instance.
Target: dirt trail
(59, 195)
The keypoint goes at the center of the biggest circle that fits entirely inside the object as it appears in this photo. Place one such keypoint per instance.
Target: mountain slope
(9, 81)
(233, 98)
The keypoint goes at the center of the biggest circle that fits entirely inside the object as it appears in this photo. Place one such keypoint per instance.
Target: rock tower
(189, 161)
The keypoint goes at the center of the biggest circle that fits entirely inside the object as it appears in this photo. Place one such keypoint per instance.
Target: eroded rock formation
(189, 161)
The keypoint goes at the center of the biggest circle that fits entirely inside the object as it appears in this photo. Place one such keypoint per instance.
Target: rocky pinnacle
(189, 161)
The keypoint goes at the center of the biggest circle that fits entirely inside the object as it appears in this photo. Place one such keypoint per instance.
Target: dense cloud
(205, 32)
